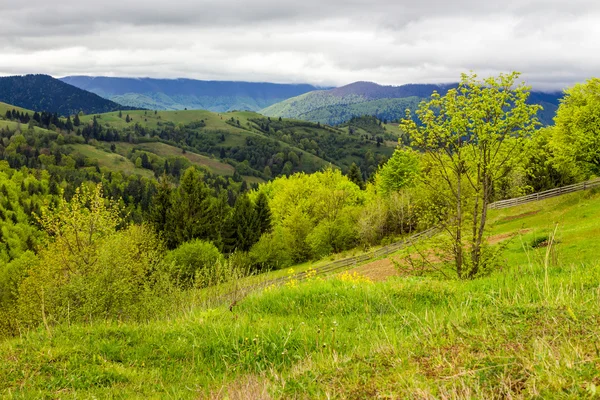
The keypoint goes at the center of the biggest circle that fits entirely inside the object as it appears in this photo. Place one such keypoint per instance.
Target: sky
(554, 43)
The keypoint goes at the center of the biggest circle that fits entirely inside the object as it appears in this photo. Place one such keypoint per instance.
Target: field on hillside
(13, 125)
(523, 232)
(165, 150)
(111, 161)
(9, 107)
(526, 331)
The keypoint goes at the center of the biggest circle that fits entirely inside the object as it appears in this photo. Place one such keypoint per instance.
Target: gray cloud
(554, 43)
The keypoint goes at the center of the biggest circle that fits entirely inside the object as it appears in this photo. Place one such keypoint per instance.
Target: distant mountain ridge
(336, 106)
(178, 94)
(45, 93)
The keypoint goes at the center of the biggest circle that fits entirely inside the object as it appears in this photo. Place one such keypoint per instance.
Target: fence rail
(344, 263)
(545, 194)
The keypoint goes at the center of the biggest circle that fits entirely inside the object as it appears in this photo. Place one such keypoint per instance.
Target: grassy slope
(165, 150)
(4, 107)
(518, 333)
(111, 161)
(235, 136)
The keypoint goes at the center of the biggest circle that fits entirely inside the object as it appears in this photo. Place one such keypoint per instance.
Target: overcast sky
(553, 42)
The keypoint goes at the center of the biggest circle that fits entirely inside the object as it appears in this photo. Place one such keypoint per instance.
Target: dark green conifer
(355, 175)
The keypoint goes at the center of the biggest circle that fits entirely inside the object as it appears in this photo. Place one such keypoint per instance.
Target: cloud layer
(554, 43)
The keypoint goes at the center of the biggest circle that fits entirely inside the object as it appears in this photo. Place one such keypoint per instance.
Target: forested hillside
(338, 105)
(44, 93)
(179, 94)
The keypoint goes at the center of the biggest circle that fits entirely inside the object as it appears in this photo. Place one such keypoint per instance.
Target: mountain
(45, 93)
(336, 106)
(179, 94)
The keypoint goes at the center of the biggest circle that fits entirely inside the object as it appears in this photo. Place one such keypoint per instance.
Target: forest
(81, 243)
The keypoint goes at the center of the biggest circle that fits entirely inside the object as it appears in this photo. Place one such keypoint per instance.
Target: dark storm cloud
(331, 42)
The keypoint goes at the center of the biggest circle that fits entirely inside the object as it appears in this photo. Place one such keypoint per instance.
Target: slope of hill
(253, 144)
(179, 94)
(527, 330)
(44, 93)
(338, 105)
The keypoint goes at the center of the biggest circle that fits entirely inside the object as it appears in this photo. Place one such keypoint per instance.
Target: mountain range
(331, 106)
(45, 93)
(180, 94)
(338, 105)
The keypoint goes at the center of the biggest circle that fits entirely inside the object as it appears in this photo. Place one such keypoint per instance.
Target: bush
(271, 251)
(191, 259)
(11, 276)
(91, 270)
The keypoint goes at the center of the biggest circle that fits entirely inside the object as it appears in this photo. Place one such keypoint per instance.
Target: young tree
(469, 137)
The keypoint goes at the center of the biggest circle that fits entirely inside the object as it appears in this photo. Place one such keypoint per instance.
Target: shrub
(193, 258)
(92, 271)
(271, 251)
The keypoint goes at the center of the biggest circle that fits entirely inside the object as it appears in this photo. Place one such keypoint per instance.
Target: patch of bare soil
(381, 270)
(495, 239)
(527, 214)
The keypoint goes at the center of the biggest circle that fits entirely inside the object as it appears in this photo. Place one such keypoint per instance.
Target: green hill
(526, 331)
(250, 143)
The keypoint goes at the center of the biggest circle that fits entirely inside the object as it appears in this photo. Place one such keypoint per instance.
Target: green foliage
(578, 126)
(471, 138)
(402, 170)
(316, 212)
(191, 215)
(90, 270)
(272, 250)
(193, 259)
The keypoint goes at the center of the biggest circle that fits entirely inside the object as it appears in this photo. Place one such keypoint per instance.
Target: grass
(528, 331)
(6, 107)
(111, 161)
(165, 150)
(500, 336)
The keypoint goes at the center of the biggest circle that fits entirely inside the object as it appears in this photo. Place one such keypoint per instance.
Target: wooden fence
(345, 263)
(545, 195)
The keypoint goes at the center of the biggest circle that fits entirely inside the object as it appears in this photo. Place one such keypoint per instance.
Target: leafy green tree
(577, 125)
(400, 171)
(161, 205)
(468, 137)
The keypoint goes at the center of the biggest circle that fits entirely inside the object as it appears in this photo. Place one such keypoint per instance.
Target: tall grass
(525, 332)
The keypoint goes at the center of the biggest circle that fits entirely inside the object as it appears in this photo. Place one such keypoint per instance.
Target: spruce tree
(161, 205)
(242, 230)
(263, 213)
(355, 175)
(69, 124)
(76, 120)
(191, 216)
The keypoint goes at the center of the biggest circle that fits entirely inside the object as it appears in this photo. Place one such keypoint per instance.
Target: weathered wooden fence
(546, 194)
(345, 263)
